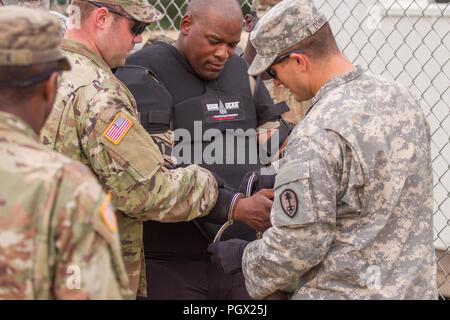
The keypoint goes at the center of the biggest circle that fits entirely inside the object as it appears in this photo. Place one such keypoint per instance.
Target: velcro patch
(118, 128)
(289, 202)
(108, 215)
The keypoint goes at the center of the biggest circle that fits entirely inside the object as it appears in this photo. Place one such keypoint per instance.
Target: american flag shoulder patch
(118, 128)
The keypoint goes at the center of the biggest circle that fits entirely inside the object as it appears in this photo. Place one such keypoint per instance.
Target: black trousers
(192, 280)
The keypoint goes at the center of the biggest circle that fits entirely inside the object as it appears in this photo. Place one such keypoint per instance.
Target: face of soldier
(210, 42)
(294, 74)
(117, 41)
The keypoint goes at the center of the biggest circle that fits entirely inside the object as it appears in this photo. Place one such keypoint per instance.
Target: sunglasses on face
(280, 59)
(138, 26)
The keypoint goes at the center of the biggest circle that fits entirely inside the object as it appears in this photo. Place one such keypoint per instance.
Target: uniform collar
(10, 122)
(336, 82)
(77, 47)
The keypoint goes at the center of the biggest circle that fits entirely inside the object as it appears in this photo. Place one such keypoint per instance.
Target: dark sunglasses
(138, 26)
(280, 59)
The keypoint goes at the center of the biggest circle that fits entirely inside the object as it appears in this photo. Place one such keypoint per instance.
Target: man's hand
(250, 21)
(228, 254)
(254, 181)
(255, 211)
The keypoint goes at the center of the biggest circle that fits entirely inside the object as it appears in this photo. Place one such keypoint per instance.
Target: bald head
(209, 33)
(206, 10)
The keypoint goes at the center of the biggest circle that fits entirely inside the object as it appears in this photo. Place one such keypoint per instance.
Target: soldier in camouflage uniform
(58, 233)
(40, 4)
(352, 215)
(95, 121)
(278, 93)
(33, 4)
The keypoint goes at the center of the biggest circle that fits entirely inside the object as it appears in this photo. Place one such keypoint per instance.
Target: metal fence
(407, 41)
(404, 40)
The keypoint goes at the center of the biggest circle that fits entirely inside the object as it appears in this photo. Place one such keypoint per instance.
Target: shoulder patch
(289, 202)
(108, 215)
(118, 129)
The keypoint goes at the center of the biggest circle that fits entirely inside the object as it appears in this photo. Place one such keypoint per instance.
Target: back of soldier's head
(29, 50)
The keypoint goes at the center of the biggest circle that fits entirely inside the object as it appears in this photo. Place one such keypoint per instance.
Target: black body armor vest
(218, 124)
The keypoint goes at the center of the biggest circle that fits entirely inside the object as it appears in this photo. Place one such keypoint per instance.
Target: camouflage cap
(140, 10)
(282, 27)
(29, 37)
(37, 4)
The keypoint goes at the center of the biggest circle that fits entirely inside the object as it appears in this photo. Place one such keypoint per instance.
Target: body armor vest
(215, 126)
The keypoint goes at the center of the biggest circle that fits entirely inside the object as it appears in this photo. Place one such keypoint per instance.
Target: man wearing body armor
(201, 90)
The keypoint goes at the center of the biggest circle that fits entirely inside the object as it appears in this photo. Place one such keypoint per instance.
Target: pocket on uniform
(135, 152)
(293, 205)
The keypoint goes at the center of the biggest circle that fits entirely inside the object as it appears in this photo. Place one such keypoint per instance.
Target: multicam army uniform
(95, 121)
(42, 4)
(352, 215)
(58, 236)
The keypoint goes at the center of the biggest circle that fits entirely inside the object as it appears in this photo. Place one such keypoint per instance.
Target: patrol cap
(140, 10)
(282, 27)
(29, 37)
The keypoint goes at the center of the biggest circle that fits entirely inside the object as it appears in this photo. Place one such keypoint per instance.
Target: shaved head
(209, 33)
(225, 9)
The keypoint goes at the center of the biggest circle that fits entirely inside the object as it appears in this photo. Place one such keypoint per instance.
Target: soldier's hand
(250, 22)
(228, 254)
(255, 210)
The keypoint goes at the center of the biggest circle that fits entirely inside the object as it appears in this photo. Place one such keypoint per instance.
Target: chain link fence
(404, 40)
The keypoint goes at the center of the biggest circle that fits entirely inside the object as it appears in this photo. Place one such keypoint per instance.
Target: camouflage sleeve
(88, 256)
(303, 216)
(165, 142)
(130, 167)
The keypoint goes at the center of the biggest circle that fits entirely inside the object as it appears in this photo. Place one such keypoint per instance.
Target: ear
(100, 17)
(185, 24)
(50, 88)
(301, 60)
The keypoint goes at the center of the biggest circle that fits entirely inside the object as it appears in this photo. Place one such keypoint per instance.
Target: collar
(12, 123)
(336, 82)
(79, 48)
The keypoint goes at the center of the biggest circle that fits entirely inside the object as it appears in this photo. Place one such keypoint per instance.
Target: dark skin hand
(249, 51)
(255, 210)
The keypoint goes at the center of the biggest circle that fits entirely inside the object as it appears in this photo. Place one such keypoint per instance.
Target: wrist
(232, 215)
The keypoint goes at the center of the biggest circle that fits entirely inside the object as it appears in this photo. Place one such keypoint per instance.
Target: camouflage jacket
(95, 121)
(352, 215)
(58, 233)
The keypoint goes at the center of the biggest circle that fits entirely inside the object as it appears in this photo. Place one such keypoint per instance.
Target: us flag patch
(117, 130)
